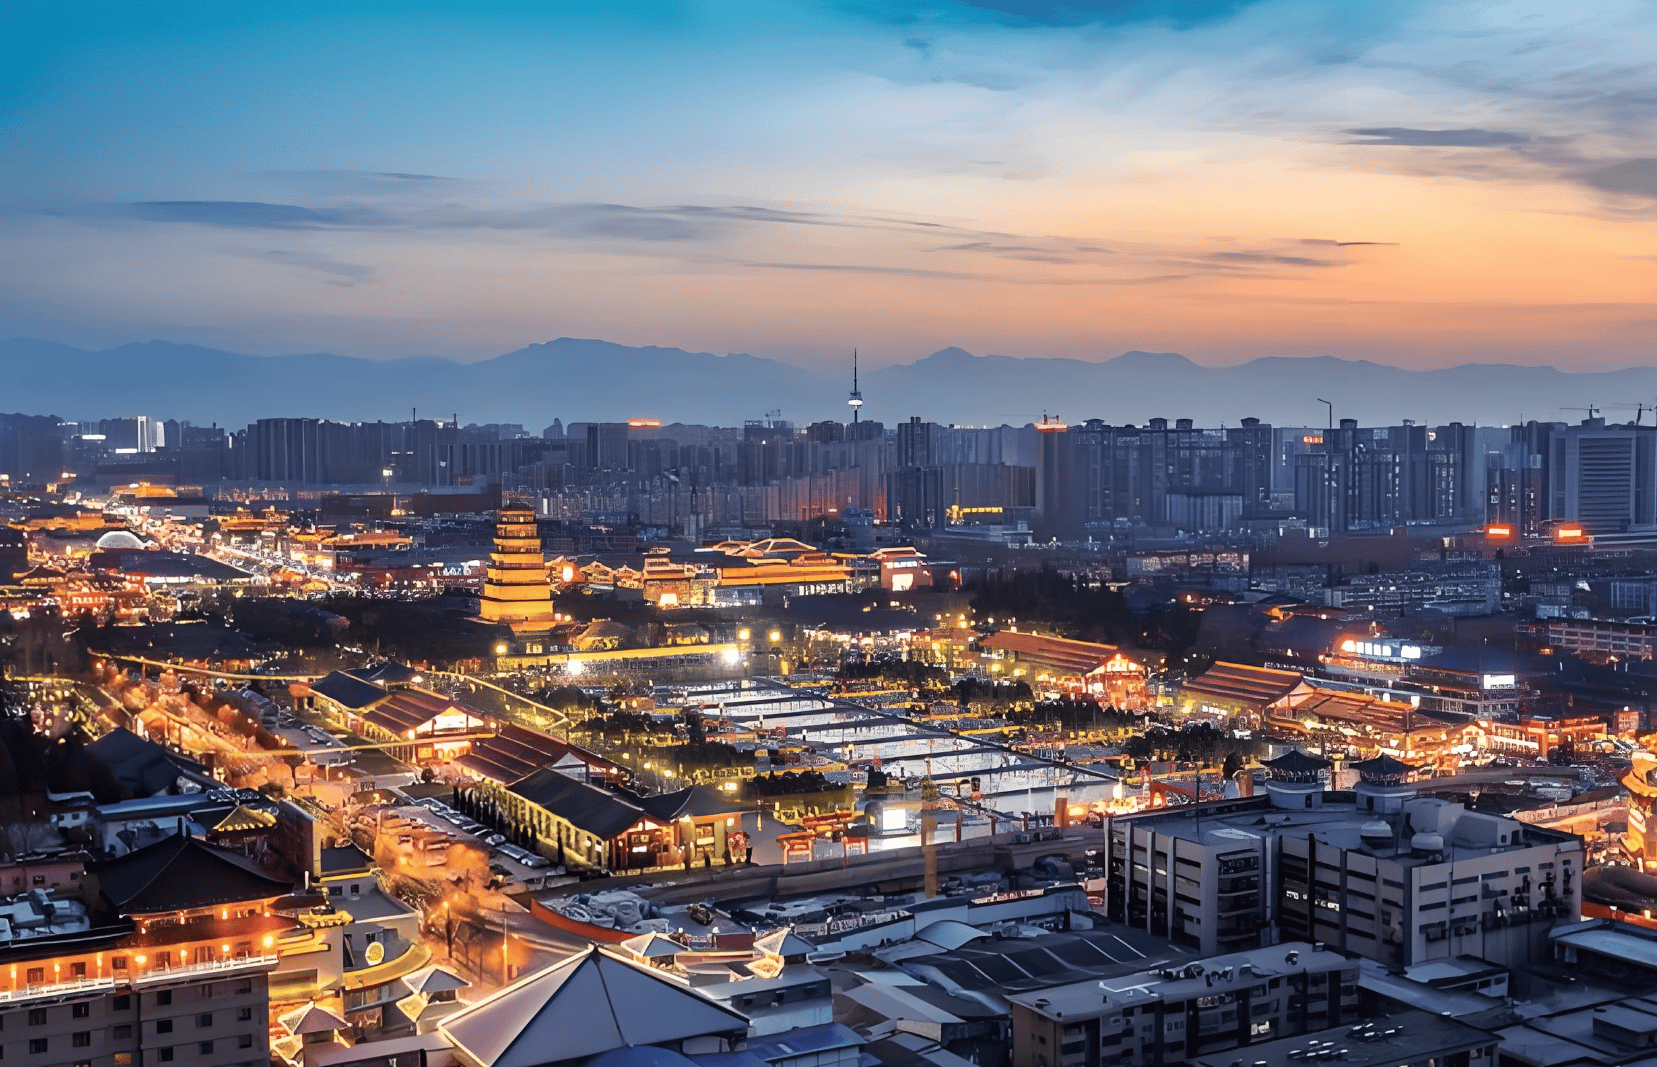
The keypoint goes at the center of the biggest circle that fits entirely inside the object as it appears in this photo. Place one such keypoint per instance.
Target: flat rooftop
(1408, 1037)
(1148, 981)
(1338, 822)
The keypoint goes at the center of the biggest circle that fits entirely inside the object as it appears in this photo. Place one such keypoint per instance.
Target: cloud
(338, 272)
(1269, 257)
(1326, 243)
(1404, 135)
(862, 268)
(239, 214)
(1633, 177)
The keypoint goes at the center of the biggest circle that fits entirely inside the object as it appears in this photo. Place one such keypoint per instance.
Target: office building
(1171, 1014)
(1376, 872)
(1603, 476)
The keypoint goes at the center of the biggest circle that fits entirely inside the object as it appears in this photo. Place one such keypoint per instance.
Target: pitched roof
(693, 800)
(388, 673)
(409, 709)
(348, 691)
(242, 818)
(180, 873)
(587, 807)
(1240, 682)
(1383, 767)
(588, 1004)
(142, 768)
(1295, 762)
(1056, 653)
(516, 752)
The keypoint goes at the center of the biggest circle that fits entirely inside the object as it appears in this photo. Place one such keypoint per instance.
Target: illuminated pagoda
(516, 592)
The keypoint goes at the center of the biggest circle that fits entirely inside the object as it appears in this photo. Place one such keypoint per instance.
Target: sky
(1417, 183)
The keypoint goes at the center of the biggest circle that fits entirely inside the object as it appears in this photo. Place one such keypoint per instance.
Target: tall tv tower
(855, 401)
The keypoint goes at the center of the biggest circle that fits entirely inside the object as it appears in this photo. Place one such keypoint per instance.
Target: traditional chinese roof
(587, 807)
(410, 709)
(1295, 765)
(180, 873)
(348, 690)
(1384, 769)
(1242, 684)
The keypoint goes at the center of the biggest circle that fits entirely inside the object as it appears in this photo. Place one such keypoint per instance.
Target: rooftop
(1338, 822)
(1408, 1037)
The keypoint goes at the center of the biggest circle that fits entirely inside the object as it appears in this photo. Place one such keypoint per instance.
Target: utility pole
(1331, 408)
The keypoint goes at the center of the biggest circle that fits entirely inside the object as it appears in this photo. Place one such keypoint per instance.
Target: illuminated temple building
(516, 592)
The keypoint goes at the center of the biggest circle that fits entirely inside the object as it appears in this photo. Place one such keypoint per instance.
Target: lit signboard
(1569, 533)
(1500, 681)
(1389, 650)
(1498, 530)
(1312, 439)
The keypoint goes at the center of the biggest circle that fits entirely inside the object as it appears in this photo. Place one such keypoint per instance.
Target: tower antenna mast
(856, 399)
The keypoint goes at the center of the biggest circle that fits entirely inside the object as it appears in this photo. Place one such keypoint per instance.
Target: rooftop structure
(1411, 1037)
(589, 1004)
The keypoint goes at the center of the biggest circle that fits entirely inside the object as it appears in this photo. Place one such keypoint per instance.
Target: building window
(37, 1045)
(77, 970)
(206, 1048)
(81, 1039)
(119, 963)
(164, 997)
(123, 1032)
(204, 1019)
(165, 1055)
(37, 1016)
(244, 1015)
(123, 1059)
(205, 992)
(35, 975)
(165, 1026)
(244, 1041)
(123, 1002)
(82, 1010)
(244, 986)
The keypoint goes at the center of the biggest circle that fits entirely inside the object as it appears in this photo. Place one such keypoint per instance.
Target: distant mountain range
(583, 380)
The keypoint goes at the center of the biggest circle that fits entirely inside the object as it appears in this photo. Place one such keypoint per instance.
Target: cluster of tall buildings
(1065, 481)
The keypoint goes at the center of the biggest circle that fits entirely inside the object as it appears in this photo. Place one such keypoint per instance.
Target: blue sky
(1417, 183)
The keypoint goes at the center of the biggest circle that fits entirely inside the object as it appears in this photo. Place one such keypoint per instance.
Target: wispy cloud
(334, 271)
(1403, 135)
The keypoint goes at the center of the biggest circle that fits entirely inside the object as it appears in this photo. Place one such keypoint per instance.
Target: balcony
(71, 990)
(195, 972)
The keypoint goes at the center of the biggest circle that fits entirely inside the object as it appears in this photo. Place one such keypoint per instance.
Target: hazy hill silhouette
(586, 380)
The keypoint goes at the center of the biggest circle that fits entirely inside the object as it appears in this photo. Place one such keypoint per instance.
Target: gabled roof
(348, 691)
(516, 752)
(588, 1004)
(1295, 763)
(1240, 682)
(1383, 768)
(586, 807)
(311, 1019)
(180, 873)
(410, 709)
(388, 673)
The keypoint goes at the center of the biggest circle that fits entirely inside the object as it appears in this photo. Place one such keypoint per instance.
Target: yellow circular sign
(375, 954)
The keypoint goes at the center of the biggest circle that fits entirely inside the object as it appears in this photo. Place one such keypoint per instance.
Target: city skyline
(1421, 186)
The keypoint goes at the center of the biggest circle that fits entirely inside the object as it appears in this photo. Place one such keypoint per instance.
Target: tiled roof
(586, 807)
(180, 873)
(1055, 653)
(348, 691)
(1239, 682)
(409, 709)
(515, 752)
